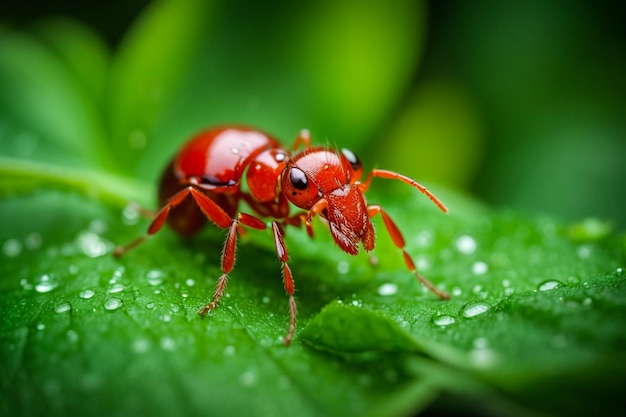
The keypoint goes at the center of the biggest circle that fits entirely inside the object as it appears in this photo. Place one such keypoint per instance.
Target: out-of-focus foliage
(546, 82)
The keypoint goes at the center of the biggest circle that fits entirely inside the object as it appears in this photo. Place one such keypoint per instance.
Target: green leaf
(150, 64)
(47, 112)
(81, 328)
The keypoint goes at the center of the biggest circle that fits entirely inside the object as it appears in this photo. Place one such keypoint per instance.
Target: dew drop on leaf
(112, 304)
(91, 244)
(86, 294)
(62, 308)
(550, 285)
(155, 277)
(357, 303)
(443, 320)
(115, 288)
(388, 289)
(45, 284)
(474, 308)
(466, 244)
(479, 268)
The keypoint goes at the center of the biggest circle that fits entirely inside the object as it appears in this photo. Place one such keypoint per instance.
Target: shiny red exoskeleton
(204, 182)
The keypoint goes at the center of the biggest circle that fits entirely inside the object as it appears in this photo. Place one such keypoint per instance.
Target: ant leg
(297, 220)
(304, 137)
(228, 257)
(210, 209)
(383, 173)
(283, 257)
(398, 240)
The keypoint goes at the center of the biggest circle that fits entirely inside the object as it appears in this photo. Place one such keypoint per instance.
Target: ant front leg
(211, 210)
(398, 240)
(228, 256)
(283, 257)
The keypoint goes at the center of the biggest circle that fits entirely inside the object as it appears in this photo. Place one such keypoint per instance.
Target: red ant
(204, 181)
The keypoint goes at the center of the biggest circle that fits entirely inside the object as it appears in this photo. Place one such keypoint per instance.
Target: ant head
(324, 183)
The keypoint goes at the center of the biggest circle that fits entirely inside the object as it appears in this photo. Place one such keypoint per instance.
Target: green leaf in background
(148, 68)
(47, 112)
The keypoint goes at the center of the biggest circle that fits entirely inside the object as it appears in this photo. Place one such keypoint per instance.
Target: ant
(204, 182)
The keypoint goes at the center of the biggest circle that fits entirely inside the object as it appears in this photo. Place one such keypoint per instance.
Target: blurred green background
(521, 104)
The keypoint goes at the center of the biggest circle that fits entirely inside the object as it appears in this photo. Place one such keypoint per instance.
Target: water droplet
(91, 244)
(112, 304)
(619, 270)
(167, 343)
(443, 320)
(190, 282)
(479, 268)
(587, 302)
(248, 379)
(456, 291)
(45, 284)
(86, 294)
(150, 306)
(343, 267)
(266, 299)
(474, 308)
(155, 277)
(25, 284)
(165, 318)
(550, 285)
(230, 350)
(41, 326)
(115, 288)
(388, 289)
(466, 244)
(62, 308)
(117, 274)
(12, 248)
(357, 303)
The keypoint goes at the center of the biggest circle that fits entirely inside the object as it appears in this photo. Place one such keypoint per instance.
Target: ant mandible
(203, 182)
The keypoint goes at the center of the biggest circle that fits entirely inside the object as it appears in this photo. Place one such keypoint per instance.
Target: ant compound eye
(298, 179)
(351, 158)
